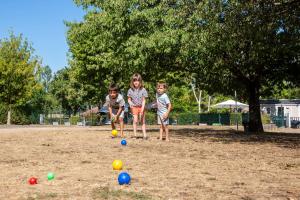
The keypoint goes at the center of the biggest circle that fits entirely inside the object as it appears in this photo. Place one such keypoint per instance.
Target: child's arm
(130, 102)
(110, 112)
(107, 103)
(153, 104)
(166, 115)
(143, 104)
(121, 108)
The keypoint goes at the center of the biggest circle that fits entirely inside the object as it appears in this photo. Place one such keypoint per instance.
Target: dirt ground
(198, 163)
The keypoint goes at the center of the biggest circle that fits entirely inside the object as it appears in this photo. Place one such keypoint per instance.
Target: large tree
(248, 46)
(17, 72)
(118, 38)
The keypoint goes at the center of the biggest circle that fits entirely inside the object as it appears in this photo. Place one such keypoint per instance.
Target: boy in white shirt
(163, 109)
(115, 103)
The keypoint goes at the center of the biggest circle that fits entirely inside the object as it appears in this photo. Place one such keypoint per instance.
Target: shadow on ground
(286, 140)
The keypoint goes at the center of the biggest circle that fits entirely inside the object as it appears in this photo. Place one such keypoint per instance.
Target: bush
(265, 119)
(3, 114)
(151, 118)
(74, 120)
(184, 118)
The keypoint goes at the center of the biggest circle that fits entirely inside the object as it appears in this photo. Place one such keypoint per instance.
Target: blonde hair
(135, 77)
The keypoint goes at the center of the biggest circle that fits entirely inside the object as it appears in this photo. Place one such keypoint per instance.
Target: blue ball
(123, 142)
(124, 178)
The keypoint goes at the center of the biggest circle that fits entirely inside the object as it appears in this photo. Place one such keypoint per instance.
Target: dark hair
(135, 77)
(113, 87)
(162, 83)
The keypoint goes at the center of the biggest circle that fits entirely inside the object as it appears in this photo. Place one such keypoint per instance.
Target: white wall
(292, 109)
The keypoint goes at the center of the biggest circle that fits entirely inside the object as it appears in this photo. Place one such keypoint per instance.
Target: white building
(285, 107)
(288, 108)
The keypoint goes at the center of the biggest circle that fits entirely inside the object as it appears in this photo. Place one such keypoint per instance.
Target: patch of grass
(288, 166)
(42, 196)
(247, 198)
(211, 179)
(86, 162)
(106, 193)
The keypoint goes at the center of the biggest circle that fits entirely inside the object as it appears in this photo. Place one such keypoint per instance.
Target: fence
(279, 120)
(223, 118)
(151, 118)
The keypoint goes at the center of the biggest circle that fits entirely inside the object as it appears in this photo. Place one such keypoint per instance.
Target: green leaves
(17, 70)
(224, 45)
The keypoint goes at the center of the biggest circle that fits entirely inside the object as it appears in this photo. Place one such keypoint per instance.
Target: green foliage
(74, 120)
(151, 118)
(254, 46)
(247, 46)
(18, 69)
(265, 119)
(285, 93)
(3, 112)
(20, 115)
(184, 118)
(68, 93)
(118, 38)
(182, 99)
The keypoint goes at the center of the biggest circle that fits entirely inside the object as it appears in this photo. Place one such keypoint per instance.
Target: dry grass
(198, 163)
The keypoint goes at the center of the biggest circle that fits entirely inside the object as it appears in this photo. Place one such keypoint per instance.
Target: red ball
(32, 181)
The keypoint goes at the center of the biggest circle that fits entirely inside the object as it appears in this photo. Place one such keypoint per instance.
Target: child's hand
(165, 116)
(130, 104)
(154, 105)
(113, 118)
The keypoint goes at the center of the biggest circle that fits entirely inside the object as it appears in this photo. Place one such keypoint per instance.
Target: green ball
(50, 176)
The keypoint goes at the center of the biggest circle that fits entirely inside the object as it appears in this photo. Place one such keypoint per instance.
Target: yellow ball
(117, 165)
(114, 133)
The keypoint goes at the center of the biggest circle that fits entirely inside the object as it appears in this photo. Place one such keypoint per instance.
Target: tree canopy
(247, 46)
(18, 67)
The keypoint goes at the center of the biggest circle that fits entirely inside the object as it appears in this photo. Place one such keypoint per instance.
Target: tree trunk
(255, 123)
(8, 122)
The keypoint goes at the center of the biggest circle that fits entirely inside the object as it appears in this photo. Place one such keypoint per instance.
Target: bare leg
(161, 130)
(112, 123)
(143, 125)
(167, 133)
(121, 127)
(135, 121)
(113, 126)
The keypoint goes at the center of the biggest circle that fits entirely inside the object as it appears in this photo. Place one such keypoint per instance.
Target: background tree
(118, 38)
(247, 46)
(250, 46)
(17, 72)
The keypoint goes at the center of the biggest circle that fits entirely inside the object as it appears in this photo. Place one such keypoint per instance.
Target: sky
(42, 23)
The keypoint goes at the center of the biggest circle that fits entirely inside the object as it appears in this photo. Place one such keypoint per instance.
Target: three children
(137, 96)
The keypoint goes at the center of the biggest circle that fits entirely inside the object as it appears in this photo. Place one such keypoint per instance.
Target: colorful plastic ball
(114, 133)
(50, 176)
(124, 178)
(123, 142)
(32, 181)
(117, 165)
